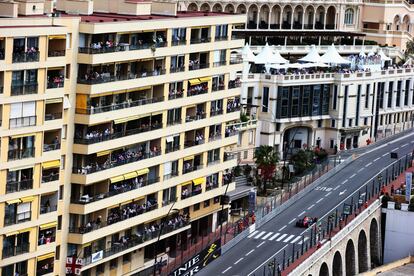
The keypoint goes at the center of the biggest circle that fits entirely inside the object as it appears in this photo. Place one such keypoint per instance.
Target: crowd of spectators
(230, 130)
(186, 193)
(30, 53)
(233, 105)
(118, 159)
(365, 60)
(228, 177)
(235, 83)
(198, 89)
(176, 93)
(131, 210)
(56, 81)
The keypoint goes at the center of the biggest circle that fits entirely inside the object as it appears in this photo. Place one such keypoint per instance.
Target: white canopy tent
(312, 56)
(362, 53)
(383, 56)
(333, 57)
(266, 56)
(247, 53)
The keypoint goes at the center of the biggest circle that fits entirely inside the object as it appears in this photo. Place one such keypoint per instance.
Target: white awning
(247, 53)
(312, 56)
(383, 56)
(266, 56)
(332, 57)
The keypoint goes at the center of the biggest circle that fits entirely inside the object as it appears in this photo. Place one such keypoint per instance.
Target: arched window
(349, 17)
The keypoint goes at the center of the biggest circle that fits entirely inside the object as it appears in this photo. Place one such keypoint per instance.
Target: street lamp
(159, 235)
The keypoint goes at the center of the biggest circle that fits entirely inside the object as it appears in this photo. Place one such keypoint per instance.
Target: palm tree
(266, 159)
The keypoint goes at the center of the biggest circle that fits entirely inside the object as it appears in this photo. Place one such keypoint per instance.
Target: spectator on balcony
(199, 138)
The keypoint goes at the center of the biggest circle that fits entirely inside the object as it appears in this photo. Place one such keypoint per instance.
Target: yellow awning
(57, 36)
(116, 179)
(188, 158)
(27, 199)
(47, 256)
(205, 79)
(126, 202)
(25, 230)
(101, 94)
(143, 171)
(194, 81)
(51, 164)
(104, 152)
(13, 201)
(139, 88)
(199, 181)
(23, 135)
(187, 183)
(86, 244)
(124, 120)
(130, 175)
(12, 233)
(56, 100)
(48, 225)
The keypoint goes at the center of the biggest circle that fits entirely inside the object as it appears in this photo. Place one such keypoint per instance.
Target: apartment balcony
(198, 66)
(221, 38)
(56, 53)
(178, 42)
(192, 168)
(56, 82)
(19, 57)
(22, 122)
(11, 251)
(18, 89)
(121, 47)
(189, 144)
(50, 177)
(50, 147)
(138, 239)
(108, 77)
(216, 112)
(119, 106)
(219, 63)
(18, 186)
(116, 135)
(233, 108)
(50, 116)
(199, 116)
(94, 167)
(173, 148)
(12, 219)
(17, 154)
(177, 69)
(200, 40)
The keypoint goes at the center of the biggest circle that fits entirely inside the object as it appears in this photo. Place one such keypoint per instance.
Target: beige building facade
(114, 114)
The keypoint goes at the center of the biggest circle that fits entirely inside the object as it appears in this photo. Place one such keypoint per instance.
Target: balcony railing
(44, 271)
(56, 53)
(16, 219)
(221, 38)
(175, 95)
(189, 144)
(218, 87)
(22, 122)
(50, 178)
(195, 117)
(118, 106)
(17, 186)
(179, 42)
(23, 88)
(214, 137)
(11, 251)
(111, 220)
(112, 164)
(188, 194)
(171, 175)
(236, 60)
(53, 116)
(122, 189)
(200, 40)
(47, 209)
(174, 122)
(192, 168)
(25, 57)
(211, 186)
(216, 112)
(219, 63)
(107, 77)
(122, 47)
(55, 84)
(233, 109)
(50, 147)
(172, 148)
(199, 66)
(195, 92)
(136, 240)
(17, 154)
(177, 69)
(116, 135)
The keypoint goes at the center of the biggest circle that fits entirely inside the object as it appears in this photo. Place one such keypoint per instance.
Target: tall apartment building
(114, 114)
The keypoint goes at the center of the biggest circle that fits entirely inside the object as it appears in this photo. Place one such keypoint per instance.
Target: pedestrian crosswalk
(278, 237)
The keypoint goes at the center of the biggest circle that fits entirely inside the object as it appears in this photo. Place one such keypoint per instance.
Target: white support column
(281, 18)
(292, 17)
(268, 21)
(314, 20)
(324, 19)
(258, 18)
(303, 19)
(336, 16)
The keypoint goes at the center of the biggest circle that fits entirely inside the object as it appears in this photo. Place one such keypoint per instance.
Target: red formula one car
(306, 222)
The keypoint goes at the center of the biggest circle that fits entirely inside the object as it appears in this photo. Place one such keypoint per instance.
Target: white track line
(289, 238)
(274, 236)
(250, 252)
(252, 234)
(238, 261)
(263, 242)
(227, 269)
(296, 239)
(281, 237)
(267, 235)
(282, 228)
(310, 207)
(259, 235)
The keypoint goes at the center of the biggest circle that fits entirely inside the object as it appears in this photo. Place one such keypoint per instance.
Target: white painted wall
(399, 235)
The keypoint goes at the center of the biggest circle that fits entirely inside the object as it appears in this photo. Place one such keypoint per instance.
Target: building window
(349, 17)
(345, 106)
(126, 258)
(196, 207)
(331, 143)
(367, 96)
(265, 99)
(365, 121)
(407, 91)
(358, 104)
(100, 269)
(295, 101)
(350, 122)
(398, 96)
(206, 203)
(113, 263)
(390, 91)
(333, 123)
(335, 97)
(319, 123)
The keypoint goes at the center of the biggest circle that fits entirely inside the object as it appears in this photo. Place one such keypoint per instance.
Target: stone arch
(229, 8)
(337, 264)
(374, 242)
(287, 14)
(406, 23)
(330, 17)
(320, 17)
(264, 17)
(397, 22)
(298, 17)
(241, 9)
(295, 138)
(217, 8)
(275, 17)
(309, 17)
(350, 259)
(252, 16)
(362, 252)
(324, 270)
(192, 7)
(205, 7)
